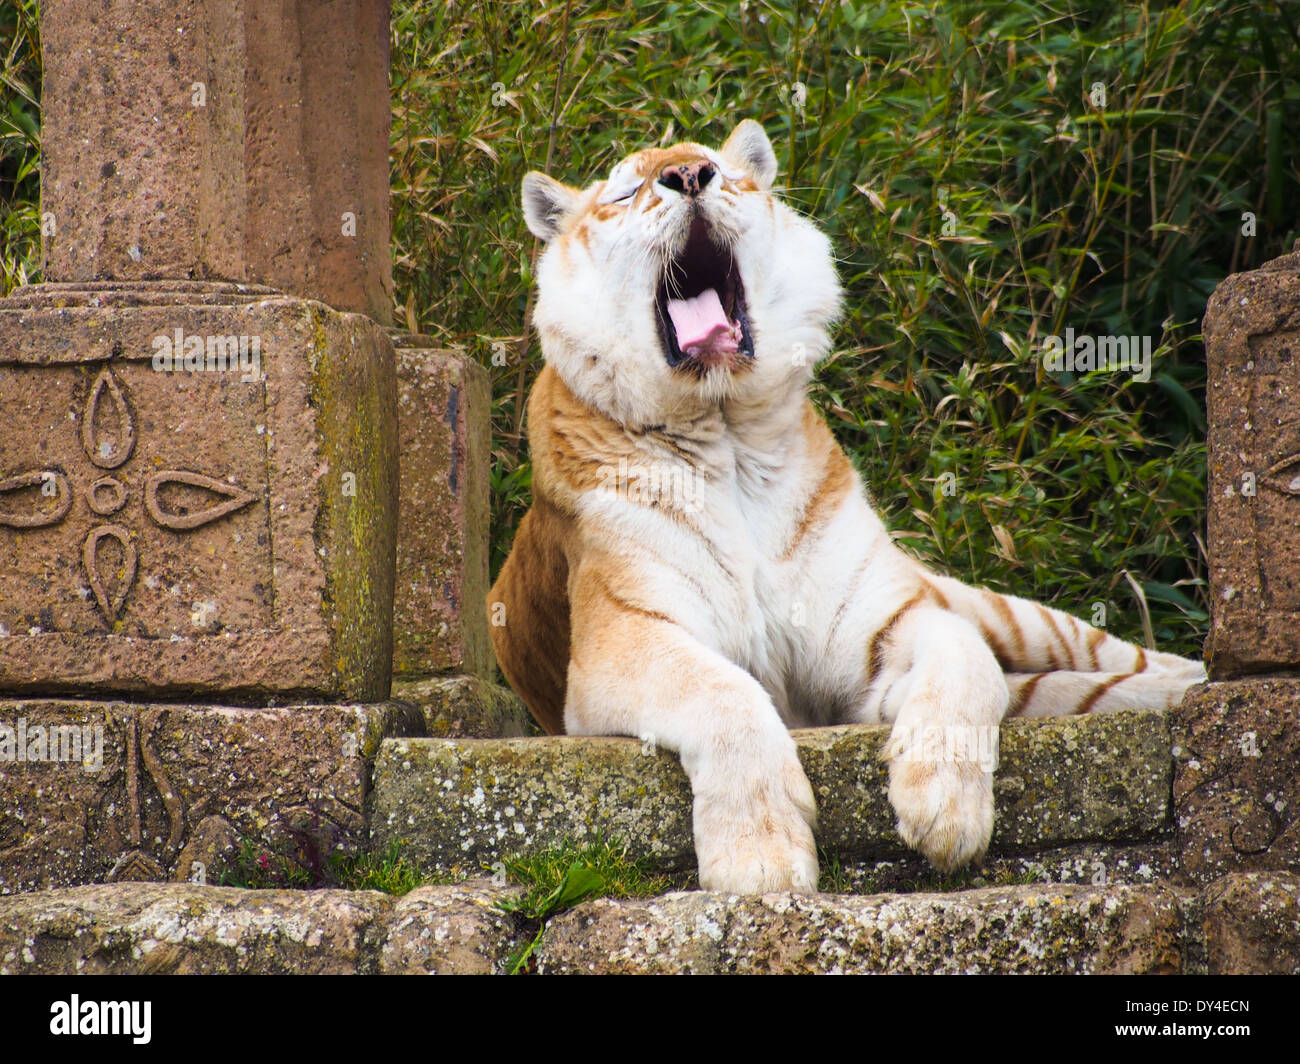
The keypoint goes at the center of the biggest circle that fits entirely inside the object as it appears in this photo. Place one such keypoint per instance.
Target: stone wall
(213, 449)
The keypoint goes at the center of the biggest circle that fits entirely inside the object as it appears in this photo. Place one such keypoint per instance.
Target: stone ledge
(468, 803)
(1041, 930)
(1248, 921)
(1097, 864)
(182, 929)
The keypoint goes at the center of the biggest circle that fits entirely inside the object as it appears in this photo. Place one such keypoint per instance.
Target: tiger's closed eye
(620, 189)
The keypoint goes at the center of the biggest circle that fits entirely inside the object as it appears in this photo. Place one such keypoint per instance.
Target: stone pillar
(442, 657)
(442, 551)
(1237, 738)
(199, 466)
(219, 140)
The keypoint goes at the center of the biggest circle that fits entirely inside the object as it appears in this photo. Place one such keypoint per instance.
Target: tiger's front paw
(944, 807)
(754, 837)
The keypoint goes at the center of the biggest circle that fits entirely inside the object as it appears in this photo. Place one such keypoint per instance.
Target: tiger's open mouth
(700, 306)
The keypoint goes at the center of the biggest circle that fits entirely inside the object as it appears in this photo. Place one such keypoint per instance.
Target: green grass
(388, 871)
(978, 199)
(835, 878)
(564, 876)
(604, 866)
(257, 867)
(20, 144)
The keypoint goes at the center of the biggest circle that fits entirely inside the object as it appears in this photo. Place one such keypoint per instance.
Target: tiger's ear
(546, 204)
(749, 148)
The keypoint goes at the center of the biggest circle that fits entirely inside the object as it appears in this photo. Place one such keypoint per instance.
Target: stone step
(1056, 929)
(465, 804)
(465, 707)
(1243, 923)
(184, 929)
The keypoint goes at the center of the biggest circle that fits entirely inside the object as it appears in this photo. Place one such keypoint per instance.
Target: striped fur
(702, 568)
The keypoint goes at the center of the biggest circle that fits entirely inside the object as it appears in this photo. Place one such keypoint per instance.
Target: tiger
(700, 565)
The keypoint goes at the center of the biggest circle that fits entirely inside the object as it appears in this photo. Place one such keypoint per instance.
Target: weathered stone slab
(449, 931)
(123, 790)
(223, 530)
(1044, 930)
(468, 803)
(191, 139)
(445, 409)
(183, 929)
(1252, 344)
(1236, 790)
(461, 805)
(1245, 923)
(1096, 864)
(1071, 779)
(1252, 924)
(465, 707)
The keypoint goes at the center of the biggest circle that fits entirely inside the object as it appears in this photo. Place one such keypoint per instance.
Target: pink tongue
(702, 323)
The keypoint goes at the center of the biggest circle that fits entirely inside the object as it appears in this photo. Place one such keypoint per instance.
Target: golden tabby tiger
(701, 565)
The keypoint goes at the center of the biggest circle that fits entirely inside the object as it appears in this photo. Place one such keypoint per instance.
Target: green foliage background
(977, 196)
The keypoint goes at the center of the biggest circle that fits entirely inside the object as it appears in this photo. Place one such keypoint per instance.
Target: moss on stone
(1104, 778)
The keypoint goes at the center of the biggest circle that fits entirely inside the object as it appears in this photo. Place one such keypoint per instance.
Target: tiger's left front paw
(944, 807)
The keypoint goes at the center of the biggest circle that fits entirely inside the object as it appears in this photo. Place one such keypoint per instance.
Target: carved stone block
(1236, 792)
(223, 522)
(111, 791)
(1252, 342)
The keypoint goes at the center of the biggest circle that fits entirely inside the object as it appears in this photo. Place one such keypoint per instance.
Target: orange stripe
(939, 596)
(1056, 631)
(1101, 689)
(1022, 697)
(623, 604)
(836, 481)
(1141, 661)
(1008, 618)
(1095, 638)
(848, 596)
(876, 650)
(995, 644)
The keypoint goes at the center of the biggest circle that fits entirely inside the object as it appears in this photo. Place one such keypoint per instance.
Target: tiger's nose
(690, 179)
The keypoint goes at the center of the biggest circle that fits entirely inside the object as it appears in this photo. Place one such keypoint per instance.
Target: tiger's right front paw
(756, 836)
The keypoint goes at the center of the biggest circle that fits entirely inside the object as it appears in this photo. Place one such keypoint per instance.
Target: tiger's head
(680, 283)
